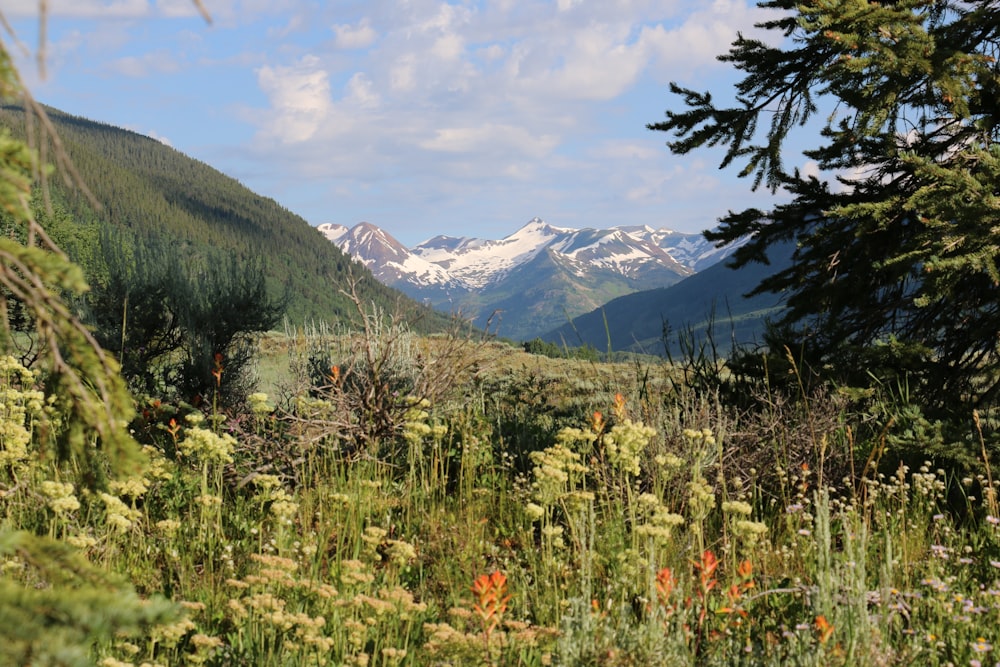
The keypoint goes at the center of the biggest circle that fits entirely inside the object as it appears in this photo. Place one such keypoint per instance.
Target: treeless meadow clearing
(537, 511)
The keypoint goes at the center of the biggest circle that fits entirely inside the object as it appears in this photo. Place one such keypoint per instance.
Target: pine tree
(60, 606)
(35, 276)
(896, 269)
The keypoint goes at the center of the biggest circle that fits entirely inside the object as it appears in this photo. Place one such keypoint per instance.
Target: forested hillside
(712, 302)
(152, 190)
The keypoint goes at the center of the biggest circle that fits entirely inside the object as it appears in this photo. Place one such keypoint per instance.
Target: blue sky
(424, 117)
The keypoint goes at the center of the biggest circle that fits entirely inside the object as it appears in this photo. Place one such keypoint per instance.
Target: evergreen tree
(61, 606)
(167, 316)
(895, 272)
(35, 276)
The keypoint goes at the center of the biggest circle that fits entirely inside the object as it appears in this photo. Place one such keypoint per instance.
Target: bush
(360, 389)
(180, 325)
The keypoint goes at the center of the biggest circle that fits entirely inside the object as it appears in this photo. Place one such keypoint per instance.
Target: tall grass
(612, 526)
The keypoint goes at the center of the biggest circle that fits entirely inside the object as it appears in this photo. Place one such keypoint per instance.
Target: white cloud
(448, 47)
(491, 53)
(597, 65)
(402, 73)
(606, 55)
(488, 138)
(233, 14)
(159, 62)
(152, 134)
(651, 186)
(439, 100)
(79, 8)
(627, 150)
(299, 96)
(688, 51)
(810, 169)
(179, 8)
(447, 18)
(294, 24)
(358, 36)
(361, 91)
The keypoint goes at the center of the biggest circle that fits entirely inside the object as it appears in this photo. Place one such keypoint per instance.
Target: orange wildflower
(824, 629)
(597, 423)
(619, 408)
(706, 570)
(217, 371)
(491, 599)
(665, 583)
(173, 429)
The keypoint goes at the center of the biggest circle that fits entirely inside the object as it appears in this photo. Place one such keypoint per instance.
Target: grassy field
(394, 500)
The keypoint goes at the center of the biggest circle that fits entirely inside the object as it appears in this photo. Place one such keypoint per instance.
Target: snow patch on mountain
(332, 231)
(385, 257)
(473, 264)
(476, 263)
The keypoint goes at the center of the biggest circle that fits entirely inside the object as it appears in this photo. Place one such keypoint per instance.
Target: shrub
(174, 320)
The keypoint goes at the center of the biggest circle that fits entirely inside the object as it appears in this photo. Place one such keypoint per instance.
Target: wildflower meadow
(525, 512)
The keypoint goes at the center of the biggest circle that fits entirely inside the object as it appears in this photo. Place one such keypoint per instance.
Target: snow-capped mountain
(476, 263)
(691, 250)
(536, 276)
(388, 260)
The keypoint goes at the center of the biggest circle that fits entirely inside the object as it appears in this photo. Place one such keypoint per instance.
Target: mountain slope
(543, 293)
(387, 259)
(152, 189)
(716, 295)
(478, 263)
(532, 280)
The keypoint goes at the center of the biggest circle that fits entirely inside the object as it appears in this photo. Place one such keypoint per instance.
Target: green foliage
(538, 346)
(141, 185)
(57, 605)
(167, 317)
(34, 275)
(894, 271)
(53, 605)
(78, 241)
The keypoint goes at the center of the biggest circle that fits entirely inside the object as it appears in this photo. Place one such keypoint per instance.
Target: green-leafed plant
(490, 512)
(894, 275)
(167, 318)
(55, 605)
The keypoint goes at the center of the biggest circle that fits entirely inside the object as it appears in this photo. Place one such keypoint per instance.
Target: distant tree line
(555, 351)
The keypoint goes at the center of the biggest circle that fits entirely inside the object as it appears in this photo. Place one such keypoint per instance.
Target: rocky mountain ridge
(533, 279)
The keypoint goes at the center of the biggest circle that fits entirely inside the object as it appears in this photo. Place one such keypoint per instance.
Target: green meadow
(402, 500)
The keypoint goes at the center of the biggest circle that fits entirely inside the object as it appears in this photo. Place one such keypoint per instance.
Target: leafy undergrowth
(600, 532)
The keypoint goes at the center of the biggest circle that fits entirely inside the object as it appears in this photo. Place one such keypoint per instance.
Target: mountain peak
(538, 224)
(332, 231)
(372, 243)
(536, 275)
